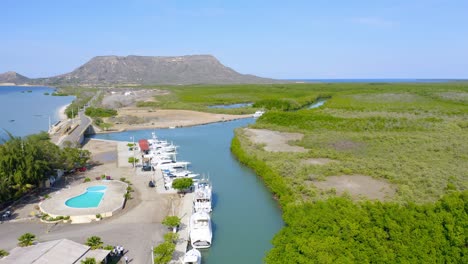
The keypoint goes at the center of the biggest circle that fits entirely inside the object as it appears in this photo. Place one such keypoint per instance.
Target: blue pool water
(91, 198)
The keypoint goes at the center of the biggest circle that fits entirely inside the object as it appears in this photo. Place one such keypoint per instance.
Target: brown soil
(358, 186)
(148, 118)
(102, 151)
(275, 141)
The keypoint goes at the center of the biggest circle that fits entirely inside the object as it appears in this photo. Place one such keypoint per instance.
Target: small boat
(200, 230)
(203, 196)
(12, 120)
(192, 256)
(258, 114)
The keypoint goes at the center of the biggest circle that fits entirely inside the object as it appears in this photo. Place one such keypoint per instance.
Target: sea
(26, 110)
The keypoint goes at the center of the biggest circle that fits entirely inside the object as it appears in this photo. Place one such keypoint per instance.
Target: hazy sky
(279, 39)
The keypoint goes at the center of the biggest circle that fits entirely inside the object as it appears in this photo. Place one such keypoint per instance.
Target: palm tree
(94, 242)
(3, 253)
(89, 261)
(26, 239)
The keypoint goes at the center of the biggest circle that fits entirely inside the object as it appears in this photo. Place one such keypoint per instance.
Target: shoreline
(60, 112)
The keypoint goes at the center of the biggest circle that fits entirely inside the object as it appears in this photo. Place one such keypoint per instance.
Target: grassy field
(413, 137)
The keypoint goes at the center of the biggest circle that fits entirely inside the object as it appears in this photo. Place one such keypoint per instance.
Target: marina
(207, 148)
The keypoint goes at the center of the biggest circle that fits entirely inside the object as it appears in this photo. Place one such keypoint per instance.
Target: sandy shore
(169, 118)
(61, 112)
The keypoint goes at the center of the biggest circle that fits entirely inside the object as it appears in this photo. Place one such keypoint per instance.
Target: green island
(407, 144)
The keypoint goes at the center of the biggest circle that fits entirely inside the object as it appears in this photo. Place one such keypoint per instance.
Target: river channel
(245, 216)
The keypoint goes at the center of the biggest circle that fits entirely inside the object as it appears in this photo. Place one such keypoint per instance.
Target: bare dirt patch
(118, 98)
(454, 96)
(150, 118)
(275, 141)
(318, 161)
(358, 186)
(101, 151)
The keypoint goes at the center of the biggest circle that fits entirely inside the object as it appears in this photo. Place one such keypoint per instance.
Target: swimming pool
(90, 199)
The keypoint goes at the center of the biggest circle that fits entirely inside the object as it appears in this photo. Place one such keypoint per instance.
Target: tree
(171, 237)
(89, 261)
(133, 160)
(171, 221)
(94, 242)
(182, 183)
(27, 239)
(163, 252)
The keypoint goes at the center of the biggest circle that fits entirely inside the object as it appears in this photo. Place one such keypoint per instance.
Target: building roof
(144, 146)
(52, 252)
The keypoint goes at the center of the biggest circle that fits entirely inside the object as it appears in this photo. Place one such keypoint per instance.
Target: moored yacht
(258, 114)
(192, 256)
(203, 196)
(200, 230)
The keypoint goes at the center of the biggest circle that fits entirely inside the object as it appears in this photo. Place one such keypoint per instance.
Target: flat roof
(53, 252)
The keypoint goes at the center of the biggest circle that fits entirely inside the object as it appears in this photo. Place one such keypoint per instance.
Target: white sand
(61, 112)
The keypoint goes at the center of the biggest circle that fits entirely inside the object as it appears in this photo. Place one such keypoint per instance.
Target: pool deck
(112, 201)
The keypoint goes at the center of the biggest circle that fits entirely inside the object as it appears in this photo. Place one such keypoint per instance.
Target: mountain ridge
(146, 70)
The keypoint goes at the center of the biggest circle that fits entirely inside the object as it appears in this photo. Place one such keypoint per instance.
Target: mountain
(192, 69)
(13, 78)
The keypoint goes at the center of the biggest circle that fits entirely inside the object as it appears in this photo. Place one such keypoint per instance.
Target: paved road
(83, 123)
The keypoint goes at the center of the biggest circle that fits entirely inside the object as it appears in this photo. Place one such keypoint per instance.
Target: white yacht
(203, 196)
(258, 114)
(200, 230)
(192, 256)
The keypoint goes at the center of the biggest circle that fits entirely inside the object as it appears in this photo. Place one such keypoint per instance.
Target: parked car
(146, 168)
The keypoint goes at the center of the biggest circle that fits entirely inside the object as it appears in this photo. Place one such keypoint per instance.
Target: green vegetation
(46, 93)
(340, 231)
(101, 124)
(171, 221)
(27, 239)
(181, 184)
(100, 112)
(26, 163)
(164, 251)
(3, 253)
(94, 242)
(199, 97)
(83, 97)
(133, 160)
(411, 136)
(89, 261)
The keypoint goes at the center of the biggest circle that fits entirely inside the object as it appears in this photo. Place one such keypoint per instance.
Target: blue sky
(279, 39)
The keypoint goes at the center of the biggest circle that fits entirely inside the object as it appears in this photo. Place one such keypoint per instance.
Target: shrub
(163, 253)
(27, 239)
(94, 242)
(171, 237)
(3, 253)
(100, 112)
(182, 183)
(98, 216)
(87, 179)
(171, 221)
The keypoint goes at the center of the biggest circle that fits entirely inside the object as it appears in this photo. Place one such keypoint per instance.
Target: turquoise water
(91, 198)
(25, 113)
(245, 215)
(317, 104)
